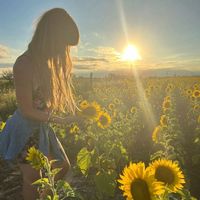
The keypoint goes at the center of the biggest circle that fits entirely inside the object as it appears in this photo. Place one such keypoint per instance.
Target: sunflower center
(165, 175)
(103, 120)
(140, 190)
(90, 111)
(196, 93)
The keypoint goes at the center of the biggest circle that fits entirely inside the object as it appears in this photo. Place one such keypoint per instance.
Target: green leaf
(105, 183)
(56, 170)
(56, 197)
(60, 184)
(41, 181)
(65, 188)
(84, 160)
(48, 197)
(2, 125)
(196, 140)
(52, 161)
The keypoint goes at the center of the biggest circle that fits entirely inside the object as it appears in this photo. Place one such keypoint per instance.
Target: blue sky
(167, 32)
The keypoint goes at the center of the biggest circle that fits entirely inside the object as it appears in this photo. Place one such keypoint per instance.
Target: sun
(131, 53)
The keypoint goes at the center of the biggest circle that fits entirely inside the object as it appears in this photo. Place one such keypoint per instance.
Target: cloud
(89, 63)
(107, 58)
(186, 63)
(107, 52)
(7, 54)
(99, 58)
(4, 52)
(91, 59)
(85, 67)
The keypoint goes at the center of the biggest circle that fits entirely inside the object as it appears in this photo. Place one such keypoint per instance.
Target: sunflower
(169, 173)
(196, 93)
(36, 158)
(195, 86)
(167, 98)
(188, 92)
(139, 183)
(155, 134)
(196, 107)
(104, 120)
(133, 109)
(2, 125)
(84, 104)
(91, 110)
(74, 129)
(166, 104)
(164, 121)
(111, 106)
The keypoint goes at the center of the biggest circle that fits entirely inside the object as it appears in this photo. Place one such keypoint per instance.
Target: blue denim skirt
(21, 133)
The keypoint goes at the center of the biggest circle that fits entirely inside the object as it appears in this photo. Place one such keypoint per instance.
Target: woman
(42, 77)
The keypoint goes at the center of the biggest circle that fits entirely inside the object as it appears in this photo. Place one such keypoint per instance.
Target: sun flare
(131, 53)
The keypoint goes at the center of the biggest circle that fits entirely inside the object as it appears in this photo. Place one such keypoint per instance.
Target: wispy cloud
(186, 63)
(89, 63)
(7, 54)
(92, 59)
(4, 52)
(86, 67)
(99, 58)
(107, 58)
(85, 57)
(107, 52)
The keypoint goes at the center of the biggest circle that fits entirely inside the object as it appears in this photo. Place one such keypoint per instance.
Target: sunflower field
(140, 139)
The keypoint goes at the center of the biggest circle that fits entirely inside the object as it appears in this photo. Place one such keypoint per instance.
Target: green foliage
(99, 155)
(60, 189)
(105, 183)
(7, 105)
(84, 160)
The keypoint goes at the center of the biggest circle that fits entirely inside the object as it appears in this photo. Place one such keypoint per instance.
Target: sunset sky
(166, 32)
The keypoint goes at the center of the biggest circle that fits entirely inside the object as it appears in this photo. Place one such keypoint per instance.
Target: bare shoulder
(22, 66)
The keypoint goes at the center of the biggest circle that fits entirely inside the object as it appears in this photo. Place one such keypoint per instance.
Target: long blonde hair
(50, 51)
